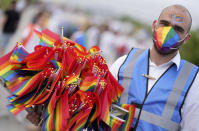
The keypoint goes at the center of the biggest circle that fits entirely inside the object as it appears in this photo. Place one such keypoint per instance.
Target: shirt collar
(175, 60)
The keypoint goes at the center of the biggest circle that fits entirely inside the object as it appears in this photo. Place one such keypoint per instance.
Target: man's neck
(159, 59)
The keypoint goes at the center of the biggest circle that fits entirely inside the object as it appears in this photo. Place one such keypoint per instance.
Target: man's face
(180, 20)
(176, 18)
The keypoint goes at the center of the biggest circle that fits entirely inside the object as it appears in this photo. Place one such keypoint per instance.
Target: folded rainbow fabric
(166, 38)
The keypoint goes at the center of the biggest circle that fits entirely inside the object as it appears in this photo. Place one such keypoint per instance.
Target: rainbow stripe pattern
(115, 123)
(89, 84)
(129, 118)
(18, 54)
(166, 37)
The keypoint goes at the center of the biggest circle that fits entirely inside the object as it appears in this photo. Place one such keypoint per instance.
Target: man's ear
(154, 25)
(187, 38)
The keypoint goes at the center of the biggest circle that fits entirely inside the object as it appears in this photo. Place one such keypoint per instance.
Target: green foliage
(4, 4)
(137, 24)
(190, 50)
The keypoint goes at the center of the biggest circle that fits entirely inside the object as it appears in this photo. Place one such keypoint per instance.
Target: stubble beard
(163, 53)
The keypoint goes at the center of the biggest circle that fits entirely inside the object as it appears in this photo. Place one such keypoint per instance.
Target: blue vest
(158, 110)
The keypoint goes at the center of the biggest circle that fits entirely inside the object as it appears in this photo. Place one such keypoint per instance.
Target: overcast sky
(144, 10)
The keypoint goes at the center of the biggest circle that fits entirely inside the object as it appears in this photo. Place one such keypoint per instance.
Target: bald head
(179, 14)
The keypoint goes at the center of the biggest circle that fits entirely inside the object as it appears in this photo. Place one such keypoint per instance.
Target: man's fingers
(35, 122)
(33, 117)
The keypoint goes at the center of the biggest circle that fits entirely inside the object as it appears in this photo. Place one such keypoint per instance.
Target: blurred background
(114, 25)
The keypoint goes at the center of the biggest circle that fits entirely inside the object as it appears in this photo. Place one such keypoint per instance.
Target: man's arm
(190, 109)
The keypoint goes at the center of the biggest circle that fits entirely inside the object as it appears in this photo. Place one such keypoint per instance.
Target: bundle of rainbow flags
(73, 85)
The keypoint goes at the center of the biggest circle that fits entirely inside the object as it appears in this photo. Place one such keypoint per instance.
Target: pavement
(8, 122)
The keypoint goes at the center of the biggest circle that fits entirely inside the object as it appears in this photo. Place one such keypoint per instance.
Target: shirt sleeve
(116, 66)
(190, 109)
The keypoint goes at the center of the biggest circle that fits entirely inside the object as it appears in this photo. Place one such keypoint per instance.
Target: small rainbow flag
(13, 86)
(93, 50)
(105, 115)
(61, 113)
(6, 68)
(55, 64)
(118, 89)
(72, 79)
(48, 125)
(129, 118)
(96, 111)
(18, 55)
(115, 123)
(88, 84)
(45, 93)
(81, 120)
(14, 110)
(47, 37)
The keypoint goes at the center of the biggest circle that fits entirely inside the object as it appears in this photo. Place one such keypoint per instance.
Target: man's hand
(34, 117)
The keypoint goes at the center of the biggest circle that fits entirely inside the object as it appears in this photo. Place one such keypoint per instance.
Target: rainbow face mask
(166, 38)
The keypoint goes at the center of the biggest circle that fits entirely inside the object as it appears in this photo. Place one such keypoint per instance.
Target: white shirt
(190, 109)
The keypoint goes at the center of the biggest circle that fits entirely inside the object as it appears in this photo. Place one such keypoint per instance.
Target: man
(9, 24)
(163, 87)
